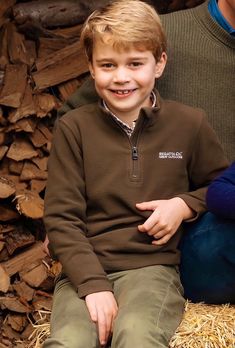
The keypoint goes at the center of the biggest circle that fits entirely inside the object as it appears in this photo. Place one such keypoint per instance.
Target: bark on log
(53, 13)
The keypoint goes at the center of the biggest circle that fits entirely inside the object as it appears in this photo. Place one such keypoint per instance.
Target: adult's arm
(86, 94)
(207, 161)
(221, 194)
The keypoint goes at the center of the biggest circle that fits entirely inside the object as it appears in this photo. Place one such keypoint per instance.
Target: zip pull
(134, 153)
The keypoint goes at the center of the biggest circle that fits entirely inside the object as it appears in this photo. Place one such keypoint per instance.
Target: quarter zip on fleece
(135, 174)
(134, 171)
(134, 153)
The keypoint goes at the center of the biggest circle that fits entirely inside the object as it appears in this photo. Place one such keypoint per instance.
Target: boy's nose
(121, 75)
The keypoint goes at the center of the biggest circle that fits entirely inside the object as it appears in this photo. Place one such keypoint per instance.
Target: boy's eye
(136, 64)
(107, 65)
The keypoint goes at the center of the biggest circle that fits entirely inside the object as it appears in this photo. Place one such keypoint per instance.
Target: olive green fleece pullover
(200, 71)
(97, 174)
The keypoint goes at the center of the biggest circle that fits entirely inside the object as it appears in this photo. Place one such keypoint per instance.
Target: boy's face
(125, 78)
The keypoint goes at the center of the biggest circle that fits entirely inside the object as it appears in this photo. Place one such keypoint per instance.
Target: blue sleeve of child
(221, 194)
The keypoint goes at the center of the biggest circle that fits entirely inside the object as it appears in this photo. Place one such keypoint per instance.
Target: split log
(9, 334)
(15, 167)
(41, 162)
(18, 263)
(26, 125)
(65, 64)
(31, 171)
(18, 239)
(3, 151)
(21, 149)
(16, 179)
(7, 187)
(13, 304)
(16, 46)
(24, 291)
(7, 213)
(4, 60)
(48, 46)
(12, 93)
(4, 280)
(17, 322)
(26, 108)
(30, 204)
(35, 276)
(45, 103)
(37, 185)
(42, 303)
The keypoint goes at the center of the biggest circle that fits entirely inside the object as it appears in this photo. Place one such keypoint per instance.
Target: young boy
(120, 283)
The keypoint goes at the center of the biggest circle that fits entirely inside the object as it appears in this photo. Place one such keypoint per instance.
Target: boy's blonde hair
(123, 24)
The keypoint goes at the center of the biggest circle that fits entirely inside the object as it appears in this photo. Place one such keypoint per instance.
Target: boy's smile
(125, 78)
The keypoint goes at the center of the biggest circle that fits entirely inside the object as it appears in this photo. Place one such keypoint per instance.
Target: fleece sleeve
(65, 214)
(221, 194)
(206, 161)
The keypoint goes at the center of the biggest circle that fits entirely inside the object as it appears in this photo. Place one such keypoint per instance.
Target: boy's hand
(166, 218)
(102, 307)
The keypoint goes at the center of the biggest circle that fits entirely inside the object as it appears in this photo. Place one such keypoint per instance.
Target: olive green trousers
(150, 302)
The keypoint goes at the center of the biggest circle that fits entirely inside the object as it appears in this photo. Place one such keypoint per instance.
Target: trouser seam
(163, 302)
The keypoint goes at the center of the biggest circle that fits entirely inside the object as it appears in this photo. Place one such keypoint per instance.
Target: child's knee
(137, 331)
(70, 336)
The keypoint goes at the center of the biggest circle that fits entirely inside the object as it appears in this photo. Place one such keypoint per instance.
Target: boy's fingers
(162, 240)
(150, 223)
(102, 329)
(151, 205)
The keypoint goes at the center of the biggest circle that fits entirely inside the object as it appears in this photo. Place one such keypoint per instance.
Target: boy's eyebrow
(104, 60)
(113, 60)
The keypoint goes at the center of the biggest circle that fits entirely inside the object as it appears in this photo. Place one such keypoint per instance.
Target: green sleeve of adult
(85, 94)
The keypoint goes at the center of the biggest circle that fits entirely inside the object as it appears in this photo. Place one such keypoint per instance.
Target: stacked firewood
(39, 69)
(41, 65)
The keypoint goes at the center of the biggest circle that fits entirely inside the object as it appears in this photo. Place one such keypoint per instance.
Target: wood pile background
(41, 65)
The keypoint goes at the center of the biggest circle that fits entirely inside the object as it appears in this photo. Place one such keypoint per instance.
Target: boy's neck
(128, 120)
(131, 117)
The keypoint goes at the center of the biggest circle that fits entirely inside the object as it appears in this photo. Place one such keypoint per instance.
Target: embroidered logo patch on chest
(171, 155)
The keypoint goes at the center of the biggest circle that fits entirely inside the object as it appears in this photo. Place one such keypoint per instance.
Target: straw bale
(41, 330)
(206, 326)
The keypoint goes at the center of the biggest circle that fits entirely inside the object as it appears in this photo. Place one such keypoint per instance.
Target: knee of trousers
(134, 330)
(72, 337)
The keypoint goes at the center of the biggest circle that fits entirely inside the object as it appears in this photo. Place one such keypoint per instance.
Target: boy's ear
(91, 70)
(160, 65)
